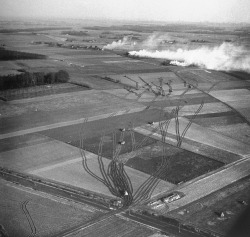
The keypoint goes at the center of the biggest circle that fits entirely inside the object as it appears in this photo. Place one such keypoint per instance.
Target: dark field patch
(146, 70)
(183, 165)
(106, 69)
(71, 134)
(239, 75)
(213, 153)
(74, 32)
(82, 52)
(112, 140)
(93, 82)
(218, 121)
(185, 100)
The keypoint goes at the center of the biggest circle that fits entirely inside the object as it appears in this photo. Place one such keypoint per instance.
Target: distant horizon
(194, 11)
(13, 18)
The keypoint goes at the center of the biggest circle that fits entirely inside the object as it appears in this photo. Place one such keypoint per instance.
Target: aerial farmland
(108, 124)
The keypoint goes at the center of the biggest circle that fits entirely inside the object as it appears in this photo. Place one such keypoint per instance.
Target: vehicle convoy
(165, 200)
(171, 197)
(115, 204)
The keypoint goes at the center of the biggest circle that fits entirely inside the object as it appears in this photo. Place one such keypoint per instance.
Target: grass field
(37, 91)
(183, 165)
(116, 226)
(48, 214)
(44, 127)
(150, 157)
(205, 212)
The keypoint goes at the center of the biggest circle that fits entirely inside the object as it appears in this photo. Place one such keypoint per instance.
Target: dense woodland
(76, 33)
(33, 29)
(6, 55)
(27, 79)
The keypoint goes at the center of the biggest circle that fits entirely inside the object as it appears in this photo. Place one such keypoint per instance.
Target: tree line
(28, 79)
(6, 55)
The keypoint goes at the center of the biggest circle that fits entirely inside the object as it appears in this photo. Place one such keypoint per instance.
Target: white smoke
(120, 44)
(177, 63)
(225, 57)
(151, 42)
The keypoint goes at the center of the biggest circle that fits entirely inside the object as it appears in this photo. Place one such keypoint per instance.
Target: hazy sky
(161, 10)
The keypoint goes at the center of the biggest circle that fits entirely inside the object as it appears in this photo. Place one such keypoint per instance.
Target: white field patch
(208, 108)
(72, 172)
(239, 131)
(199, 134)
(232, 95)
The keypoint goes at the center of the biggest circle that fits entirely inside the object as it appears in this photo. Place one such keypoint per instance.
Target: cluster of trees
(73, 32)
(28, 79)
(33, 29)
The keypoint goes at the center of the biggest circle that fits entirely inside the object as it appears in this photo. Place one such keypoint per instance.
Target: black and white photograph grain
(124, 118)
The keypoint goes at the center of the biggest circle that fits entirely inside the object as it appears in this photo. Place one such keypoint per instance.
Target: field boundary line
(68, 123)
(223, 147)
(201, 179)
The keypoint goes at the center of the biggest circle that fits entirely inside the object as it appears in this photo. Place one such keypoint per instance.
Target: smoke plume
(125, 43)
(151, 42)
(226, 57)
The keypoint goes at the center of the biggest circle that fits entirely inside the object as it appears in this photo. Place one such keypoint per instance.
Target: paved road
(214, 181)
(171, 227)
(211, 183)
(54, 188)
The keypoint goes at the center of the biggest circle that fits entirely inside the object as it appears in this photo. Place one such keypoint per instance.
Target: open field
(116, 226)
(47, 214)
(204, 213)
(37, 91)
(125, 129)
(63, 163)
(48, 110)
(149, 157)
